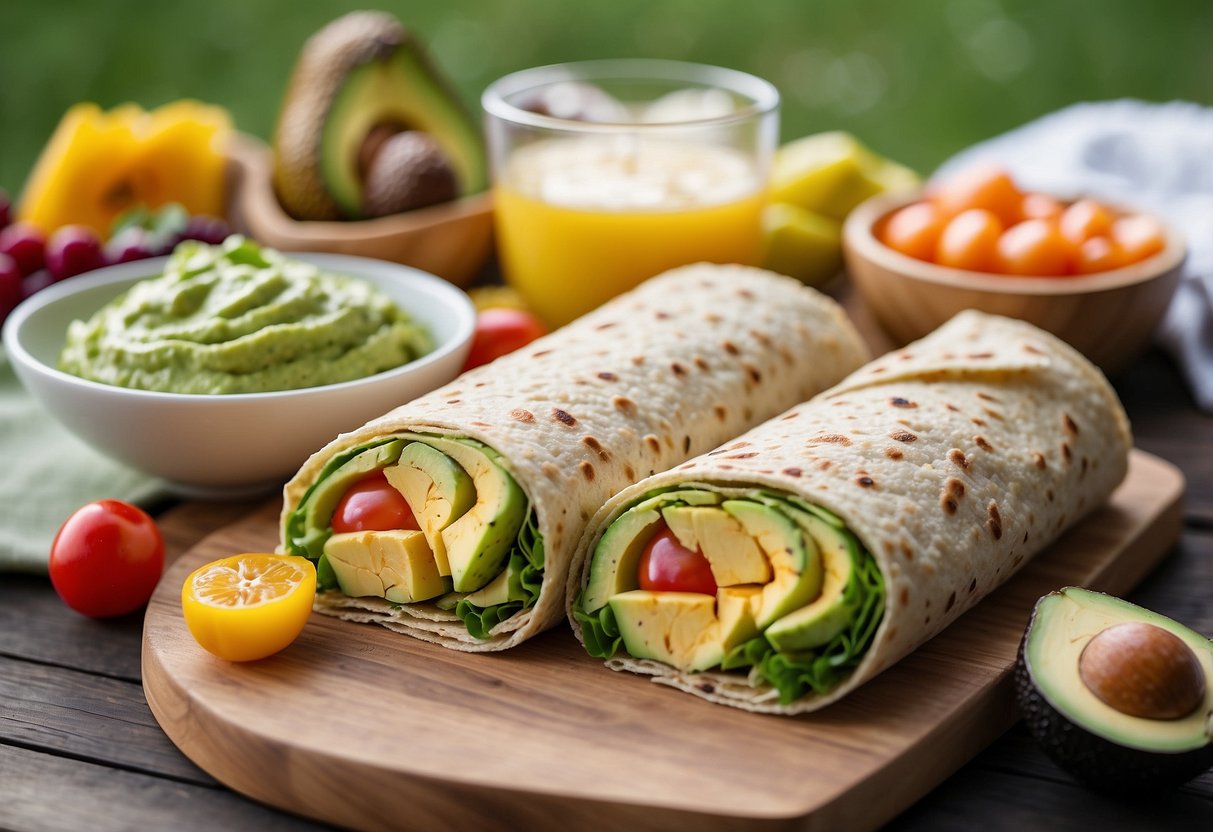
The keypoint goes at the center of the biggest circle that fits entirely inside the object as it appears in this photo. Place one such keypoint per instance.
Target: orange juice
(582, 220)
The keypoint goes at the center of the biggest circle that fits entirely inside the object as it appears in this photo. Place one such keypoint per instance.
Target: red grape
(10, 285)
(25, 244)
(6, 209)
(72, 250)
(206, 229)
(36, 282)
(132, 243)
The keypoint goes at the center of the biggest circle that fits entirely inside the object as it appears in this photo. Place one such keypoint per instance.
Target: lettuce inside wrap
(797, 603)
(476, 550)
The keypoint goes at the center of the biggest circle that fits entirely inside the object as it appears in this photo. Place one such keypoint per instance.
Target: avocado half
(361, 77)
(1117, 695)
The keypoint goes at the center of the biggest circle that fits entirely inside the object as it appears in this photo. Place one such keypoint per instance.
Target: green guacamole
(237, 318)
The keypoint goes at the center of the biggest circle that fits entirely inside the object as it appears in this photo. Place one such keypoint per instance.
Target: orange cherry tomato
(1041, 207)
(914, 230)
(1036, 248)
(1099, 254)
(987, 187)
(1139, 236)
(1085, 219)
(969, 241)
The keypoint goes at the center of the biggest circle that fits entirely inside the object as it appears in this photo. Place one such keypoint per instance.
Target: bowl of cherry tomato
(1096, 274)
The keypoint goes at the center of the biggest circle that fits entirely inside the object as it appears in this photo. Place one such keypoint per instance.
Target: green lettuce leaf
(526, 560)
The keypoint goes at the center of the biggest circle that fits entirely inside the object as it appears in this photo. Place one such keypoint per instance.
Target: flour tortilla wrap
(654, 377)
(948, 463)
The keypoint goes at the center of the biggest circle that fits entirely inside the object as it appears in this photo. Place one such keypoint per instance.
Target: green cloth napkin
(47, 473)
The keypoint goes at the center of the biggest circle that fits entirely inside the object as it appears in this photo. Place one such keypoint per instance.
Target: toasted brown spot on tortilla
(745, 293)
(606, 376)
(981, 355)
(1038, 459)
(637, 360)
(453, 401)
(623, 403)
(761, 337)
(629, 472)
(994, 523)
(981, 423)
(752, 372)
(903, 436)
(480, 424)
(972, 586)
(607, 325)
(951, 602)
(1066, 453)
(726, 467)
(840, 403)
(1069, 425)
(893, 453)
(522, 415)
(787, 416)
(721, 412)
(550, 471)
(730, 348)
(746, 455)
(652, 442)
(686, 444)
(948, 504)
(701, 364)
(836, 438)
(563, 416)
(792, 472)
(540, 353)
(957, 457)
(898, 401)
(1025, 536)
(1049, 494)
(983, 443)
(1018, 560)
(678, 369)
(981, 394)
(662, 316)
(906, 551)
(993, 414)
(786, 355)
(740, 443)
(706, 687)
(1085, 464)
(587, 469)
(596, 446)
(905, 596)
(952, 408)
(864, 481)
(954, 488)
(888, 547)
(825, 465)
(748, 413)
(480, 384)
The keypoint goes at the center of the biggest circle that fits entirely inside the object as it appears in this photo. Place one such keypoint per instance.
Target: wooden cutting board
(361, 727)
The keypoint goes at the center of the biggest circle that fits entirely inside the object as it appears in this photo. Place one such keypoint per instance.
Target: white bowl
(220, 445)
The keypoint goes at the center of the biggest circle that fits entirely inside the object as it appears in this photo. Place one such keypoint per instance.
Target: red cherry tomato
(106, 559)
(668, 566)
(501, 330)
(372, 504)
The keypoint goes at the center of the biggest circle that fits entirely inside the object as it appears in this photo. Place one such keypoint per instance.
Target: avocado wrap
(502, 467)
(781, 570)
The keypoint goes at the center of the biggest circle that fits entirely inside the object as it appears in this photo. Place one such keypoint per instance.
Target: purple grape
(10, 285)
(36, 282)
(129, 244)
(73, 250)
(6, 209)
(25, 244)
(206, 229)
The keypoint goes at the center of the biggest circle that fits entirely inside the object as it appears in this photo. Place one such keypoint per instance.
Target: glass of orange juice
(609, 172)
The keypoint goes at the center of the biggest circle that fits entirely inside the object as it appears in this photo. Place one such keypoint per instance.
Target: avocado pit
(1142, 670)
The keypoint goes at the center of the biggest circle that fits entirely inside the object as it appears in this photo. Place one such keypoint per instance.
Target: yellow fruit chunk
(249, 606)
(831, 173)
(99, 164)
(801, 244)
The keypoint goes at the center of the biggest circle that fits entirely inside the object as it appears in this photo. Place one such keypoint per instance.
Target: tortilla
(952, 461)
(667, 371)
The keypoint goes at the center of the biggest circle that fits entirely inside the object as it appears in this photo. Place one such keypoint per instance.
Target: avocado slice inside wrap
(804, 624)
(478, 552)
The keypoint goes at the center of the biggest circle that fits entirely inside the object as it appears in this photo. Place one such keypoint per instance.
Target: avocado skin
(324, 63)
(1096, 762)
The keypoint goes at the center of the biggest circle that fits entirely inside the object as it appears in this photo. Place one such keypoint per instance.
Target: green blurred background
(916, 79)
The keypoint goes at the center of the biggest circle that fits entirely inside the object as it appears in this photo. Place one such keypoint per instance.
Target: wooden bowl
(1108, 316)
(452, 240)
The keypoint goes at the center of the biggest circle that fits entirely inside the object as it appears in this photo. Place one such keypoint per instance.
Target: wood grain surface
(361, 727)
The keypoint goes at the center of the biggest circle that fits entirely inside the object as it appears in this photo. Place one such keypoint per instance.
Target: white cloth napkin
(1155, 156)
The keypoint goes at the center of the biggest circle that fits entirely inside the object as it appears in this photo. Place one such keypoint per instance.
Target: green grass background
(916, 79)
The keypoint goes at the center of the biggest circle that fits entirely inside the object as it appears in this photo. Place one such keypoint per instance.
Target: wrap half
(502, 468)
(792, 564)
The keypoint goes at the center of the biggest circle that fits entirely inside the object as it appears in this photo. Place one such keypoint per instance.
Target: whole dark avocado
(358, 81)
(1117, 695)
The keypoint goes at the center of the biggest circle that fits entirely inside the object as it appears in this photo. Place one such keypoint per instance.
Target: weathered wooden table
(79, 748)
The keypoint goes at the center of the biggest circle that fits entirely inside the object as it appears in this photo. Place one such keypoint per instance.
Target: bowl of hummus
(222, 368)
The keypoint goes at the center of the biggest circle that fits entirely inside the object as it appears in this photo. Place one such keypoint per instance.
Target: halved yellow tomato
(249, 606)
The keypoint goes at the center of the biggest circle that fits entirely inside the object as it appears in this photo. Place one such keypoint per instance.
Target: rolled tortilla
(929, 476)
(652, 378)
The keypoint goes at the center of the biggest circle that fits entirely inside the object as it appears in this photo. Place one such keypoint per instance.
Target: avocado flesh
(811, 589)
(396, 565)
(689, 630)
(399, 90)
(436, 489)
(478, 542)
(1104, 748)
(827, 616)
(503, 589)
